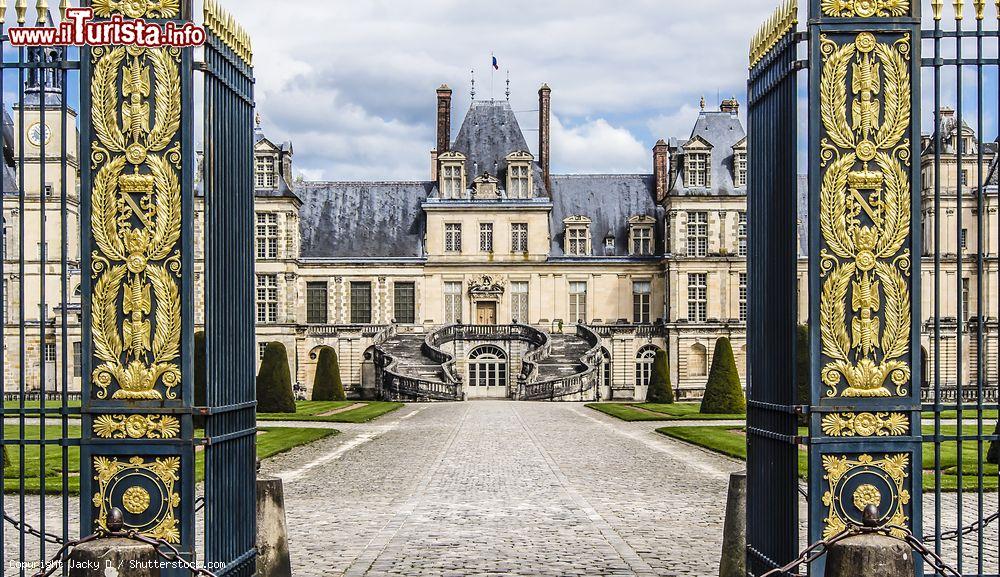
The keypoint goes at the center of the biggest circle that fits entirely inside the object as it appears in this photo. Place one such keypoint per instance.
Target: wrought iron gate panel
(230, 435)
(772, 465)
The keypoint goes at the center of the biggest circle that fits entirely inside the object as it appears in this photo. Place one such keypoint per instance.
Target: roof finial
(703, 103)
(257, 119)
(473, 72)
(508, 85)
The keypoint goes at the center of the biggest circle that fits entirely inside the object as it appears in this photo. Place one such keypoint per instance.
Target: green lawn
(311, 411)
(672, 412)
(271, 441)
(732, 442)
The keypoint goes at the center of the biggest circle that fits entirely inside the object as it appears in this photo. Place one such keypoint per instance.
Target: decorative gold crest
(865, 8)
(136, 220)
(865, 217)
(861, 482)
(865, 424)
(129, 483)
(136, 426)
(137, 8)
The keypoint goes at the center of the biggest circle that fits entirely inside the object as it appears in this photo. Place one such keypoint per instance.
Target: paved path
(489, 488)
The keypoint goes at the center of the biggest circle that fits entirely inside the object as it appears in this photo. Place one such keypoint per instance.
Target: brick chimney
(544, 112)
(660, 169)
(443, 119)
(731, 105)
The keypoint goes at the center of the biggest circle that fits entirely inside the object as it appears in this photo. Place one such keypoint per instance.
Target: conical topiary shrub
(660, 390)
(994, 455)
(723, 393)
(200, 377)
(327, 385)
(274, 382)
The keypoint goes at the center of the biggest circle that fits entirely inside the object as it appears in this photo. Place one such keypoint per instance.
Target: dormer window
(740, 164)
(519, 174)
(696, 169)
(609, 245)
(641, 232)
(452, 175)
(266, 174)
(577, 241)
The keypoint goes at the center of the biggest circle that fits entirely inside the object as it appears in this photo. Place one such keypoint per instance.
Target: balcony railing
(577, 384)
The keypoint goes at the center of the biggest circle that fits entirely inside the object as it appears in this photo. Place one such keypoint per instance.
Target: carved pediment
(487, 287)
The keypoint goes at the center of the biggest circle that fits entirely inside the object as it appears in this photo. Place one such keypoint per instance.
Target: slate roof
(488, 134)
(609, 200)
(362, 219)
(722, 130)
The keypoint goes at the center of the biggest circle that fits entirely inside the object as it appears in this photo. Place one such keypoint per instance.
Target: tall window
(696, 170)
(519, 237)
(266, 175)
(50, 352)
(404, 308)
(519, 181)
(452, 302)
(641, 291)
(965, 314)
(486, 237)
(642, 240)
(453, 237)
(451, 181)
(361, 303)
(964, 239)
(697, 234)
(267, 235)
(965, 175)
(316, 302)
(576, 240)
(743, 297)
(267, 298)
(741, 233)
(741, 169)
(644, 365)
(77, 359)
(698, 297)
(578, 302)
(519, 301)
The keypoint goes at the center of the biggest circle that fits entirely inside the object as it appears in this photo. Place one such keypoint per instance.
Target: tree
(802, 376)
(327, 385)
(994, 455)
(723, 393)
(200, 376)
(274, 382)
(659, 390)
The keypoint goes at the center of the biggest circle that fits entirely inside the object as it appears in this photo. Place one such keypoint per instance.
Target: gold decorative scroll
(865, 424)
(223, 25)
(136, 222)
(145, 489)
(780, 23)
(865, 8)
(137, 8)
(136, 426)
(865, 216)
(853, 484)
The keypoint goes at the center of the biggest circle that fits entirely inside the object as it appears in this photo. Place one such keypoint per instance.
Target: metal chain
(23, 527)
(955, 533)
(822, 547)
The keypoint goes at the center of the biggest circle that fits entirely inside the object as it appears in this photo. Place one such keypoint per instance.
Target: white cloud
(596, 146)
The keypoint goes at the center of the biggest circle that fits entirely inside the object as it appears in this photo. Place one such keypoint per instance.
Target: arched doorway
(487, 373)
(644, 367)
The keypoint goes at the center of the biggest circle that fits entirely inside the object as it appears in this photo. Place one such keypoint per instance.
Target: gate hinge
(800, 65)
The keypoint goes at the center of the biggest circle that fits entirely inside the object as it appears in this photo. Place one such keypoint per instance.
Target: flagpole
(493, 69)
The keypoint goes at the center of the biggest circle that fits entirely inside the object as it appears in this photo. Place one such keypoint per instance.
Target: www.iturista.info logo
(80, 29)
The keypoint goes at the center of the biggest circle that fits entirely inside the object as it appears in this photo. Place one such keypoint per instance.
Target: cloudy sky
(352, 83)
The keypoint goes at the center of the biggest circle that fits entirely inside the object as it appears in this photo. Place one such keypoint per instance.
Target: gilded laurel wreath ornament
(865, 8)
(136, 222)
(865, 217)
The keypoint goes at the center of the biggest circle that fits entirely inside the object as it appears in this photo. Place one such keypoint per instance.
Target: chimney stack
(443, 119)
(732, 106)
(660, 168)
(544, 111)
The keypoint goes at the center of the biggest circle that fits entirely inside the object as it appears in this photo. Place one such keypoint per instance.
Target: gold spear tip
(21, 7)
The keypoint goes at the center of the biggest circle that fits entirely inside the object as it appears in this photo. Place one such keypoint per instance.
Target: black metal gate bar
(230, 455)
(772, 452)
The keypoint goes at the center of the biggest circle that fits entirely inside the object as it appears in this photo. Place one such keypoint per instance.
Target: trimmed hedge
(274, 382)
(659, 390)
(994, 455)
(802, 370)
(723, 393)
(327, 385)
(200, 376)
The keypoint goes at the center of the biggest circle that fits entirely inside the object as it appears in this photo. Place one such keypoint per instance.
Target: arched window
(644, 365)
(488, 367)
(698, 360)
(606, 369)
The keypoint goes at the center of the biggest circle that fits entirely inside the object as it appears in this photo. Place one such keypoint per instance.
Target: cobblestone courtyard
(483, 488)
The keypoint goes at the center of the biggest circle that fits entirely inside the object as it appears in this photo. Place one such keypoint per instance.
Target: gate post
(864, 97)
(137, 446)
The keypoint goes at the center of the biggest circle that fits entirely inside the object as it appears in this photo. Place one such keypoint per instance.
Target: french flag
(496, 65)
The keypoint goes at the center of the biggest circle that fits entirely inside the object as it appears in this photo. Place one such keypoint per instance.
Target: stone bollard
(273, 559)
(871, 555)
(734, 535)
(114, 557)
